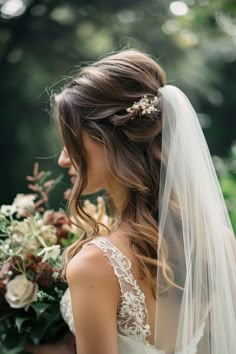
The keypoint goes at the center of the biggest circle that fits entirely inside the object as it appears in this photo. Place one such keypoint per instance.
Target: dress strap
(120, 263)
(132, 313)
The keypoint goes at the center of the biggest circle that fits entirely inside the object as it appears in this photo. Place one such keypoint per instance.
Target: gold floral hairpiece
(144, 106)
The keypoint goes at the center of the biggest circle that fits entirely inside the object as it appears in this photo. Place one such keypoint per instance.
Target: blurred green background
(42, 41)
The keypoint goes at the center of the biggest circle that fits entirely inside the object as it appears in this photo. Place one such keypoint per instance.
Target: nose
(64, 159)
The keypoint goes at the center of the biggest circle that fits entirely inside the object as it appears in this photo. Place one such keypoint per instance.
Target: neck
(118, 195)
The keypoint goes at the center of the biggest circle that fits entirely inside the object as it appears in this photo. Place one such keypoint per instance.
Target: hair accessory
(144, 106)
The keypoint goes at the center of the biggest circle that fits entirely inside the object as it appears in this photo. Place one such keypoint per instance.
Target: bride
(164, 281)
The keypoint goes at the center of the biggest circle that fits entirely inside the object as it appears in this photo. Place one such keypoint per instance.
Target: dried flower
(98, 212)
(144, 106)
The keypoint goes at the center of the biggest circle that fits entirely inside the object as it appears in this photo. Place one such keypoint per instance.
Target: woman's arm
(95, 296)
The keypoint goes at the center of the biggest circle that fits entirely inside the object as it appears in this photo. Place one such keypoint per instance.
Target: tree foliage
(48, 39)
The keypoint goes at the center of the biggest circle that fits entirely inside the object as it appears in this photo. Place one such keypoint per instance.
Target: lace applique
(132, 316)
(66, 310)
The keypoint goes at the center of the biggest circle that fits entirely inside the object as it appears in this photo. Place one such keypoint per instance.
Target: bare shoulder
(95, 296)
(90, 268)
(85, 261)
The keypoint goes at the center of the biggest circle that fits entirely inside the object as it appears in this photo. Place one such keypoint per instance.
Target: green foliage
(226, 169)
(50, 39)
(33, 326)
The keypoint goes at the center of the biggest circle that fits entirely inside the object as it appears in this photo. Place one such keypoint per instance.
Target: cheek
(96, 169)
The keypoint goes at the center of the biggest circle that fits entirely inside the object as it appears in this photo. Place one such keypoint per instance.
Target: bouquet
(32, 239)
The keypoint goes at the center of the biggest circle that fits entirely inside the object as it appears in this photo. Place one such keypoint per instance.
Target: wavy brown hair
(95, 100)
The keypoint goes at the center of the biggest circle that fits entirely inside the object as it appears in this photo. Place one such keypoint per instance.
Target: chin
(87, 191)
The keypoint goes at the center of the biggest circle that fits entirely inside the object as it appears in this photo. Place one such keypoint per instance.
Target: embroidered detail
(132, 315)
(66, 310)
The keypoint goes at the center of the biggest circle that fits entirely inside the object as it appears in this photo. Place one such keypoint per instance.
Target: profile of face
(95, 158)
(107, 138)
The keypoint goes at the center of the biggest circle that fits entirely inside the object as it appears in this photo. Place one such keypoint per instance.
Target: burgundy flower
(45, 274)
(31, 264)
(60, 221)
(15, 264)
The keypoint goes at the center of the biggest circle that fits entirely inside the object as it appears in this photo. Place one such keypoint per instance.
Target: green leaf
(6, 322)
(39, 308)
(13, 344)
(38, 332)
(44, 178)
(18, 349)
(19, 322)
(6, 316)
(56, 181)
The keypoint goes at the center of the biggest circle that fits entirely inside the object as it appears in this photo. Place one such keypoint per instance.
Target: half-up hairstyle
(96, 100)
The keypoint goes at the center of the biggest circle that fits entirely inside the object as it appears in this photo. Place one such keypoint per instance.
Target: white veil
(196, 240)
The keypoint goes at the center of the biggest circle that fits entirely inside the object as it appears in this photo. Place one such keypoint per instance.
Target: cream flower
(24, 204)
(52, 252)
(48, 233)
(98, 212)
(30, 245)
(8, 210)
(24, 235)
(28, 236)
(21, 292)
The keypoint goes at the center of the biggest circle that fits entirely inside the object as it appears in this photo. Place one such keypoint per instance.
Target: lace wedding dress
(132, 316)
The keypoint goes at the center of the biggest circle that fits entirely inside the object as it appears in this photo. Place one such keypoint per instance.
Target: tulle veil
(196, 315)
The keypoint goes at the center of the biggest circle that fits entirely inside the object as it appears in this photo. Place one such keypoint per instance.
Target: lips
(73, 179)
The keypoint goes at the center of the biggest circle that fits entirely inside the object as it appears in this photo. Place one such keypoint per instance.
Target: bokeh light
(179, 8)
(13, 8)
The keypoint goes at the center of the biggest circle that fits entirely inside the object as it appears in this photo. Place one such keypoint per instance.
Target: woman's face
(95, 157)
(65, 162)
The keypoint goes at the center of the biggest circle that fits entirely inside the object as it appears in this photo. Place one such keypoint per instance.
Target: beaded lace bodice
(132, 316)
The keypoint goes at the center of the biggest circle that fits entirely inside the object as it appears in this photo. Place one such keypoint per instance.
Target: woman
(167, 283)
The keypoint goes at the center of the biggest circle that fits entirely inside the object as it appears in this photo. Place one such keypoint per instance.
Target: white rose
(24, 203)
(21, 292)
